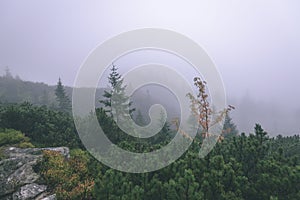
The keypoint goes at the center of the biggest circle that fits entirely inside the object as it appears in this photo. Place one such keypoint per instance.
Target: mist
(255, 45)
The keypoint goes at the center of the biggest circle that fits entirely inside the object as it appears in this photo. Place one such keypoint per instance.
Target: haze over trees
(249, 112)
(64, 103)
(241, 166)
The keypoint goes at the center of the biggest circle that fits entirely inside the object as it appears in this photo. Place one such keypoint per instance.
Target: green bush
(25, 145)
(13, 137)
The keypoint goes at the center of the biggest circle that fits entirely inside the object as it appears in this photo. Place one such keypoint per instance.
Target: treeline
(15, 90)
(250, 166)
(240, 166)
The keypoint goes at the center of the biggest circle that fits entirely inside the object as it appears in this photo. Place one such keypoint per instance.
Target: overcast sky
(254, 43)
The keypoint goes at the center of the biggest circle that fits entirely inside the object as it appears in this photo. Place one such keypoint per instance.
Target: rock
(16, 171)
(46, 196)
(51, 197)
(62, 150)
(29, 191)
(17, 177)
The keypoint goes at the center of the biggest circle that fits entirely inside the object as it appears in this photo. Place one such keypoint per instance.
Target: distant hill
(15, 90)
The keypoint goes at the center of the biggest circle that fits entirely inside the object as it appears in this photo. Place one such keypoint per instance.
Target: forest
(241, 166)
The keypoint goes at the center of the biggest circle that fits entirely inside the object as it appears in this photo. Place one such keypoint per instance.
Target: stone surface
(62, 150)
(51, 197)
(29, 191)
(17, 177)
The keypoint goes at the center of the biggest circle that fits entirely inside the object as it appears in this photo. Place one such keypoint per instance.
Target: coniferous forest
(241, 165)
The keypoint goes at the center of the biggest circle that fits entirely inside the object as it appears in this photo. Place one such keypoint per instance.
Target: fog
(254, 44)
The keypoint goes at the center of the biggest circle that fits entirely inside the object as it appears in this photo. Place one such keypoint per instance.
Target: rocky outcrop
(29, 191)
(18, 180)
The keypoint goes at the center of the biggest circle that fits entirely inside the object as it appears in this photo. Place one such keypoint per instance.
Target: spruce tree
(116, 96)
(229, 128)
(64, 103)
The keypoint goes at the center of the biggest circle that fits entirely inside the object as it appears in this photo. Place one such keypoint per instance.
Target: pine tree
(116, 96)
(187, 186)
(64, 103)
(229, 128)
(171, 190)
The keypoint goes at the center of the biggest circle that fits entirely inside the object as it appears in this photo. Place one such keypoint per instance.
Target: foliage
(252, 166)
(67, 178)
(240, 167)
(14, 138)
(202, 111)
(229, 128)
(64, 103)
(116, 96)
(45, 127)
(15, 90)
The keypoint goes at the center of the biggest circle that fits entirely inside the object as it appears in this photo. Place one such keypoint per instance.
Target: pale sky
(255, 44)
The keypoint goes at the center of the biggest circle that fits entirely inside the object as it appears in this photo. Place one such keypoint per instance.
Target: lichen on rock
(18, 180)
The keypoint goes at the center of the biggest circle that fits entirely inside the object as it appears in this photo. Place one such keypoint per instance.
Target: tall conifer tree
(116, 96)
(64, 103)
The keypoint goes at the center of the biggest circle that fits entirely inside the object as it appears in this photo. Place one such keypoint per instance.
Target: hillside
(15, 90)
